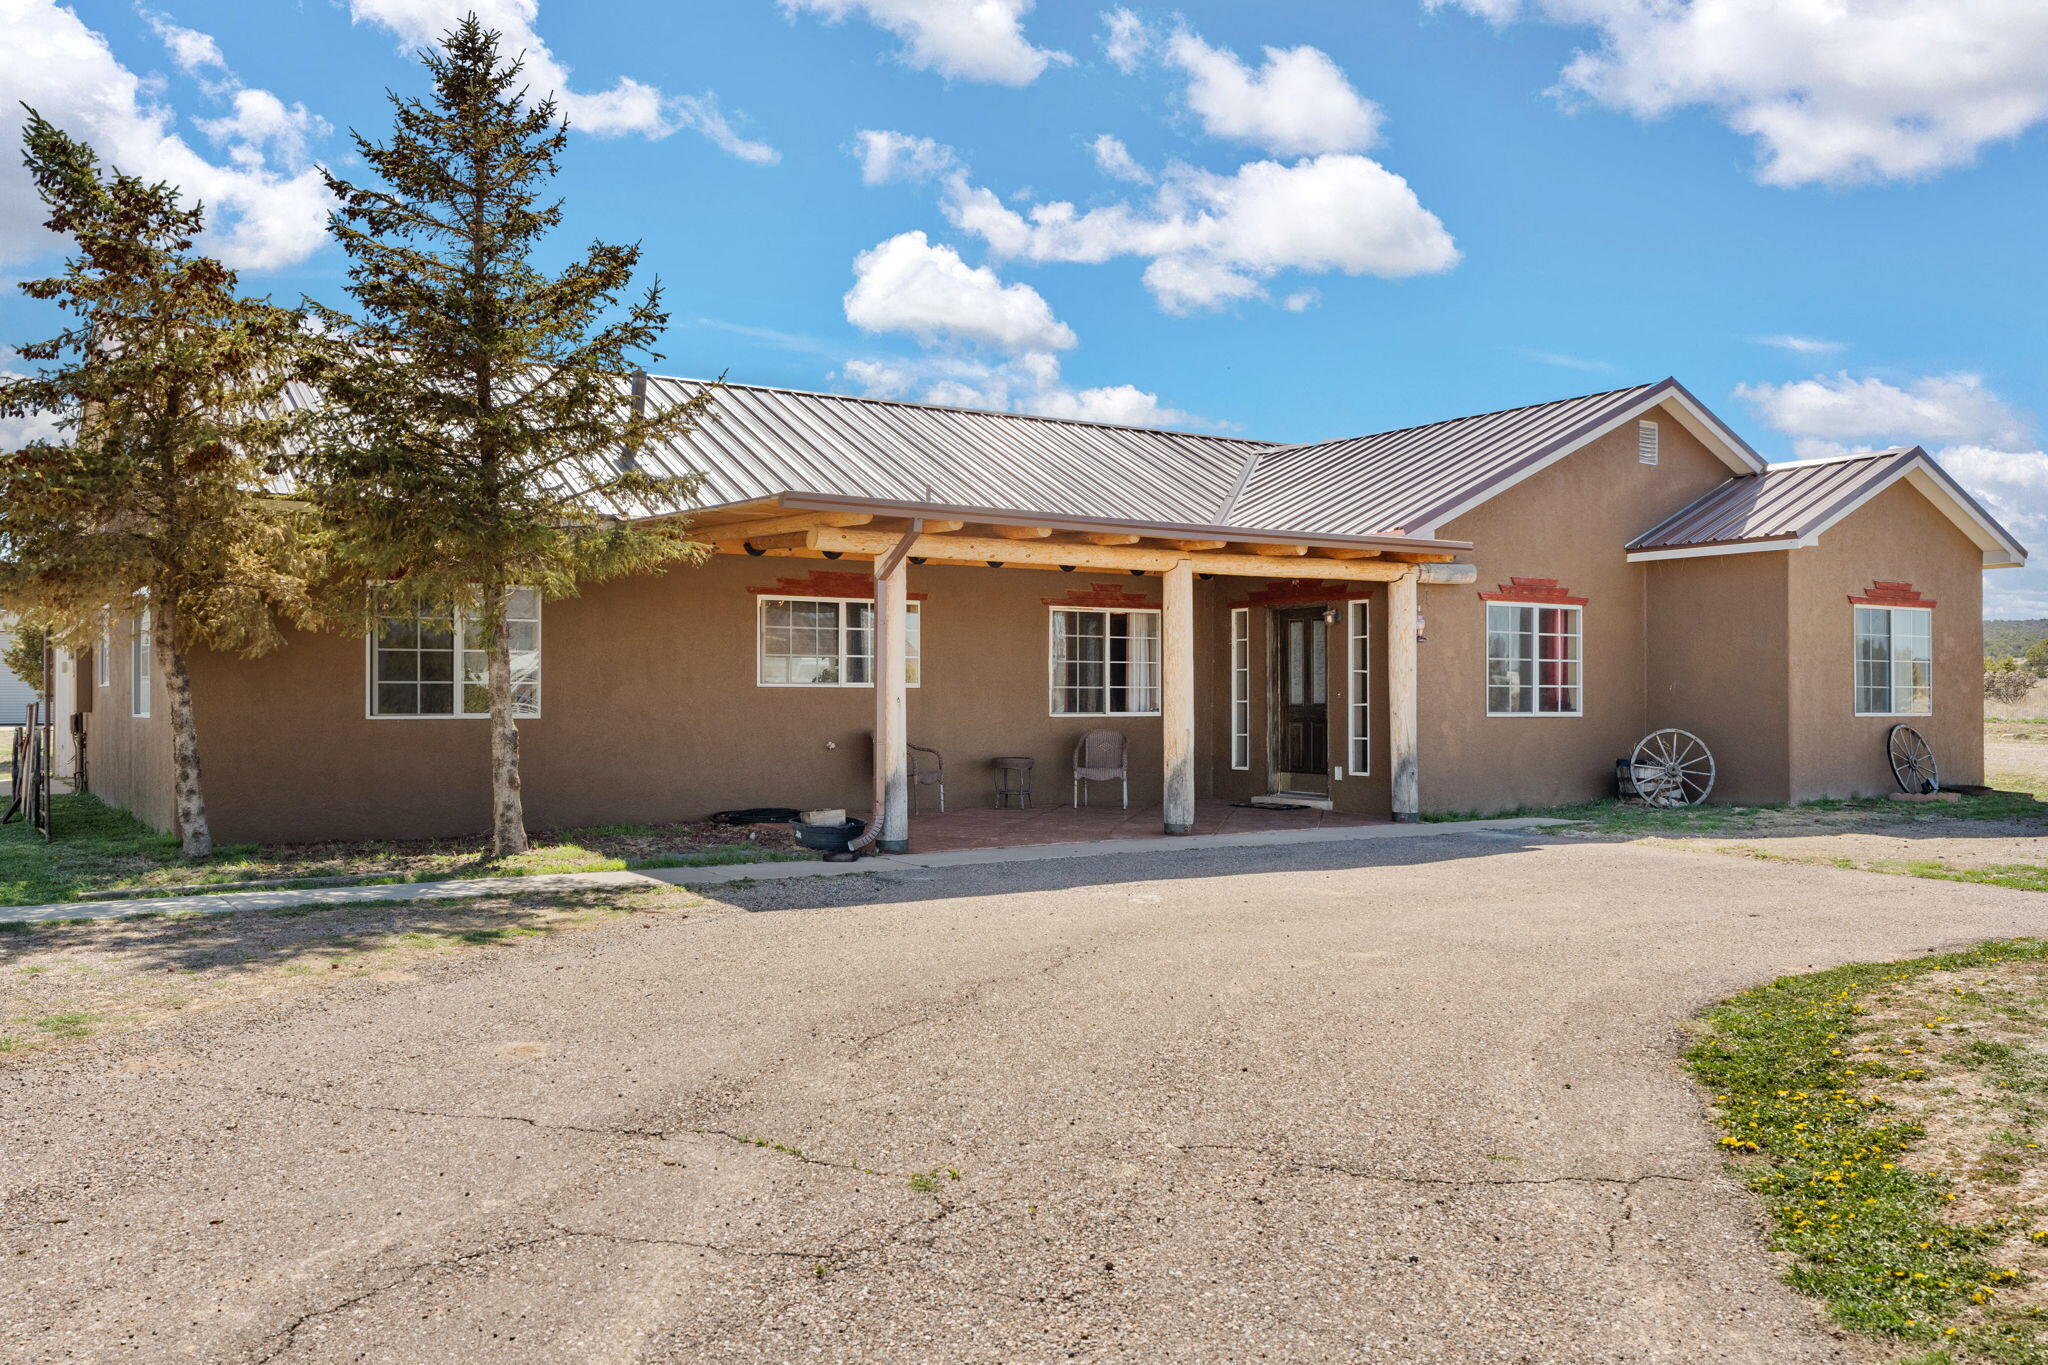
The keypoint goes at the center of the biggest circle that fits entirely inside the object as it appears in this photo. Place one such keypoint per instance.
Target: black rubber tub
(828, 838)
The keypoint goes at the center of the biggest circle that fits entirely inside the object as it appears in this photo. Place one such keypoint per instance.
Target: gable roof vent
(1646, 442)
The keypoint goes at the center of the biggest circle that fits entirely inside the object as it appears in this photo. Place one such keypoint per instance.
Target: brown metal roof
(760, 442)
(1412, 479)
(1785, 502)
(1790, 504)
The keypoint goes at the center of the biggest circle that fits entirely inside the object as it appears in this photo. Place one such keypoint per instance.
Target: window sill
(1535, 715)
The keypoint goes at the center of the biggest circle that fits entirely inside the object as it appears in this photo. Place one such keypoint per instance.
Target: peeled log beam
(1124, 557)
(776, 526)
(1454, 575)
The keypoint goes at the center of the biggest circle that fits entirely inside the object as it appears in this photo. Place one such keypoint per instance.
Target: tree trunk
(195, 838)
(508, 811)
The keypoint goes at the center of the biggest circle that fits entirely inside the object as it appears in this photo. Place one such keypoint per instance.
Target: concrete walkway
(458, 888)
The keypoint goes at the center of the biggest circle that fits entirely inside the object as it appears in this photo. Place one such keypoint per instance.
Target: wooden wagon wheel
(1912, 761)
(1670, 769)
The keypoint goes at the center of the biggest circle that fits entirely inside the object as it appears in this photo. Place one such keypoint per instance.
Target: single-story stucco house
(1473, 615)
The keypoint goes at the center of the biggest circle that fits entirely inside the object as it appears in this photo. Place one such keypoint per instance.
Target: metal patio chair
(925, 773)
(1102, 756)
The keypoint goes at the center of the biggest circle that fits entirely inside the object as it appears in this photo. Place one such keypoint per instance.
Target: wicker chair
(1102, 756)
(927, 769)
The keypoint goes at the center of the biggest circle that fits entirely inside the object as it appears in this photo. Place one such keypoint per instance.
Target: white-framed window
(141, 659)
(428, 659)
(103, 654)
(1240, 687)
(1105, 663)
(1358, 704)
(827, 642)
(1533, 665)
(1894, 661)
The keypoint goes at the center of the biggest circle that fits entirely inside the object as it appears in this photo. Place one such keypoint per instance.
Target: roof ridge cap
(975, 412)
(1465, 417)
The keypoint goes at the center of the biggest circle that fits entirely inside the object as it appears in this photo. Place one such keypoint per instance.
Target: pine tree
(167, 386)
(478, 432)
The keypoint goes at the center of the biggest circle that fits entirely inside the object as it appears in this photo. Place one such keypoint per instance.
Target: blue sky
(1290, 220)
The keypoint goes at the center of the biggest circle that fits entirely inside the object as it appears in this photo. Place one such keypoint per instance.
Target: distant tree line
(470, 435)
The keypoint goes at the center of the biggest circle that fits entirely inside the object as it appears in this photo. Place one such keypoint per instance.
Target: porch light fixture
(1066, 568)
(832, 554)
(917, 559)
(995, 563)
(755, 552)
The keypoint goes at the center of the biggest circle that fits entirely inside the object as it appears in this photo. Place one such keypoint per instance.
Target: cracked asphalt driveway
(1397, 1101)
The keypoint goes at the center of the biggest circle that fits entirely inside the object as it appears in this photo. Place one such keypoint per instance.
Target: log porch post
(1401, 737)
(892, 718)
(1177, 695)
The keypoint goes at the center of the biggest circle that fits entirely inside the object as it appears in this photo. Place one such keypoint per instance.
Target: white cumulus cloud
(1114, 159)
(626, 106)
(1213, 238)
(1298, 103)
(1833, 91)
(886, 157)
(976, 40)
(1841, 408)
(1799, 345)
(193, 51)
(1029, 383)
(910, 284)
(266, 208)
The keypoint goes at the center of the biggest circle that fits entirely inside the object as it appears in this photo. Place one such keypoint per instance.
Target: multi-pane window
(1360, 699)
(141, 659)
(1105, 663)
(1532, 660)
(1894, 661)
(430, 659)
(1240, 687)
(827, 642)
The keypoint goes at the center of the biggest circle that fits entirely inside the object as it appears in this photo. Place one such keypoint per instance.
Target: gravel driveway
(1284, 1105)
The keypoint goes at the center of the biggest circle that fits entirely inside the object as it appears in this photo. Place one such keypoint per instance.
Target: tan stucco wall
(1898, 536)
(1718, 666)
(1568, 522)
(128, 759)
(651, 712)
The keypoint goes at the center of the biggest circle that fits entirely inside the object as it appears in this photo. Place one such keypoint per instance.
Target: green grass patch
(98, 850)
(1865, 1234)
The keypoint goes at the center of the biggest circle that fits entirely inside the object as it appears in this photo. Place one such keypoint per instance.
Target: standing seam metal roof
(1398, 481)
(1786, 502)
(760, 442)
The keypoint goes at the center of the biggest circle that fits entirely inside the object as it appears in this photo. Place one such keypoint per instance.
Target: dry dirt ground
(1409, 1101)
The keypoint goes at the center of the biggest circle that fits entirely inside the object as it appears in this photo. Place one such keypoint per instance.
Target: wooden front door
(1301, 671)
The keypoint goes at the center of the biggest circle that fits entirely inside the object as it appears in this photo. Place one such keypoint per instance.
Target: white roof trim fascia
(1737, 547)
(1709, 429)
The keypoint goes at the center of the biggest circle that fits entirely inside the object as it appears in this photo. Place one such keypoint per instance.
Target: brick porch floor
(981, 827)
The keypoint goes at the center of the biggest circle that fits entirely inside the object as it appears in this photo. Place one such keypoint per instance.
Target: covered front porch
(980, 827)
(896, 540)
